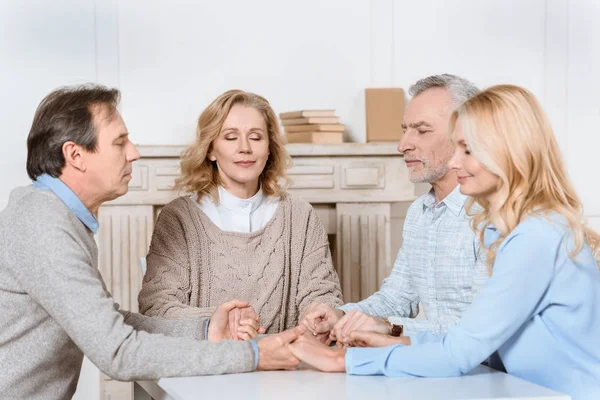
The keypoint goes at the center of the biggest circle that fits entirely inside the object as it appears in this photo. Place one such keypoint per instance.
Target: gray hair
(460, 89)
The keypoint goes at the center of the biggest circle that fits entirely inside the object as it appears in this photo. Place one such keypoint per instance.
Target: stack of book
(312, 126)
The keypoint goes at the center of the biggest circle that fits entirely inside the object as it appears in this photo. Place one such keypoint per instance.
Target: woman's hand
(310, 350)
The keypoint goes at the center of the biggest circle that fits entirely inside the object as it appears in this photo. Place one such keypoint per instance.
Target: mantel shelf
(295, 150)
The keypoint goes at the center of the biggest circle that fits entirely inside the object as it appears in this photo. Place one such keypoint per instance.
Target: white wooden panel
(174, 60)
(488, 42)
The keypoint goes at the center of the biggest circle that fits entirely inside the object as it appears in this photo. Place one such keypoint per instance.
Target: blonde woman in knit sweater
(238, 234)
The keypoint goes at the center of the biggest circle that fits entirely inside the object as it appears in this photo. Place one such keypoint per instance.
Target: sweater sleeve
(58, 275)
(523, 270)
(167, 284)
(318, 280)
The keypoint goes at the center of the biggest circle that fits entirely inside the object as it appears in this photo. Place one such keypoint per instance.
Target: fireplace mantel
(351, 186)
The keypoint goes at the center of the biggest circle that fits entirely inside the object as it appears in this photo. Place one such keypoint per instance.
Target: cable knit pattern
(281, 269)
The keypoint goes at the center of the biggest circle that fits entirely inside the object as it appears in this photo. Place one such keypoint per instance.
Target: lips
(245, 164)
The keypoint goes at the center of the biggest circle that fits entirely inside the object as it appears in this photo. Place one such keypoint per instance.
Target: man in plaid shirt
(439, 263)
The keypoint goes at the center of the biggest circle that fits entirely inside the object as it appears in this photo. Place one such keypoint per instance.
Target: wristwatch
(395, 330)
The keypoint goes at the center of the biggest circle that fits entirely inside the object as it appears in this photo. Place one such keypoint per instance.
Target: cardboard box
(385, 110)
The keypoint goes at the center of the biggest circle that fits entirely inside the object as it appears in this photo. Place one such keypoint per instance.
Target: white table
(481, 383)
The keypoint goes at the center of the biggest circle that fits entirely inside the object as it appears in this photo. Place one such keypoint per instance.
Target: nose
(405, 144)
(132, 153)
(244, 146)
(455, 162)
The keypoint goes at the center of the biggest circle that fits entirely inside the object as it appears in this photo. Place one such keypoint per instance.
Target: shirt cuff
(368, 360)
(206, 329)
(349, 307)
(255, 349)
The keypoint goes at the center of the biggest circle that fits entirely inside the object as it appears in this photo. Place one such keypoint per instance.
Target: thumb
(292, 334)
(235, 303)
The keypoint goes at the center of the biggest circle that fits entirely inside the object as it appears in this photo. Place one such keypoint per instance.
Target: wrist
(339, 359)
(389, 325)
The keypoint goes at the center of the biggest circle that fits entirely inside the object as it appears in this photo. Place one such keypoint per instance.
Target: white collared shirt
(239, 215)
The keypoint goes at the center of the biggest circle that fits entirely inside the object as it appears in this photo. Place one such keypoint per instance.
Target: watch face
(397, 330)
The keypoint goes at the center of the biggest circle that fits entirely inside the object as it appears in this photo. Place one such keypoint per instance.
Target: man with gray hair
(438, 264)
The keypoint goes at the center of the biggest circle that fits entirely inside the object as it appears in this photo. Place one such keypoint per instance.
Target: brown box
(385, 110)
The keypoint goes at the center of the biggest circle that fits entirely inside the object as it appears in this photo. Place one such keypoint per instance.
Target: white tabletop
(481, 383)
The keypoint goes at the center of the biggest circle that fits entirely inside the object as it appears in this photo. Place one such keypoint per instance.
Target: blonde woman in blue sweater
(540, 309)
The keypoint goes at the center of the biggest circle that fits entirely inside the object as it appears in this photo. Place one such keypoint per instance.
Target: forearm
(193, 328)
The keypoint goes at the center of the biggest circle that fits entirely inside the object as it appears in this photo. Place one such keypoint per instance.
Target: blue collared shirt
(74, 203)
(540, 310)
(67, 196)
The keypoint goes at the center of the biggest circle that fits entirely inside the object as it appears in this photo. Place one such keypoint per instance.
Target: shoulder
(29, 204)
(296, 203)
(36, 216)
(177, 207)
(539, 232)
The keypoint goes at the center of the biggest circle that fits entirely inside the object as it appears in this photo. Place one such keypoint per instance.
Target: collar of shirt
(67, 196)
(455, 201)
(240, 206)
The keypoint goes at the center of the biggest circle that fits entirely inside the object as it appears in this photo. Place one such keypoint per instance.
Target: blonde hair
(509, 133)
(200, 175)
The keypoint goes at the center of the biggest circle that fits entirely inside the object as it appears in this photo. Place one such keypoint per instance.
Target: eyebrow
(417, 125)
(236, 129)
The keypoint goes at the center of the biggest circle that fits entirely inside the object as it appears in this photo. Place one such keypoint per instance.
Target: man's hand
(322, 357)
(218, 327)
(357, 321)
(319, 319)
(273, 351)
(375, 339)
(244, 323)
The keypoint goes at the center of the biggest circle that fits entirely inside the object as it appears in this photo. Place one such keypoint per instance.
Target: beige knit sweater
(281, 269)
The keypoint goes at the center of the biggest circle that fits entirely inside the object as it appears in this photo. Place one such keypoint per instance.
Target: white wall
(170, 59)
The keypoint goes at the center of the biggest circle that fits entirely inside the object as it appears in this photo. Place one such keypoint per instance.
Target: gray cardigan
(55, 308)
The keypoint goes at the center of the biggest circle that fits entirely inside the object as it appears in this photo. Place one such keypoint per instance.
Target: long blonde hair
(509, 133)
(200, 175)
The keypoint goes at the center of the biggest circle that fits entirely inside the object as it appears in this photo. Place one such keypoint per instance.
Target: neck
(242, 191)
(444, 186)
(89, 199)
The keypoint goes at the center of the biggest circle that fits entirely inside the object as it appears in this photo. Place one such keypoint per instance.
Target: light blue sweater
(540, 310)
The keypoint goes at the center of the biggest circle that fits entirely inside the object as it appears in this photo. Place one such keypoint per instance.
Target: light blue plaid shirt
(438, 265)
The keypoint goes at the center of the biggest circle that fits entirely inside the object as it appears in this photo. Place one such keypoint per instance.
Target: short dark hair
(65, 115)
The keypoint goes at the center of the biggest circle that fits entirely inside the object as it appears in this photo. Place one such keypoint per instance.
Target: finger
(292, 334)
(323, 337)
(311, 318)
(357, 324)
(348, 325)
(372, 339)
(236, 320)
(337, 328)
(246, 332)
(249, 322)
(232, 325)
(262, 329)
(323, 327)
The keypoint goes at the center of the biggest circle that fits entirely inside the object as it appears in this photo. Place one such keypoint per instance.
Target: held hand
(273, 351)
(319, 319)
(375, 339)
(218, 327)
(320, 356)
(356, 320)
(244, 323)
